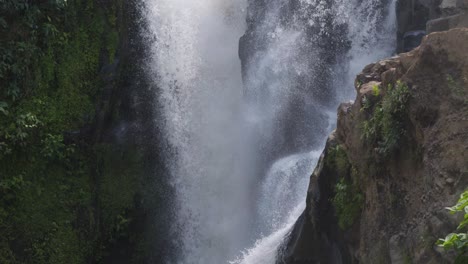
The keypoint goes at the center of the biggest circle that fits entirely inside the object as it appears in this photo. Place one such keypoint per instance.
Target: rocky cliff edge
(398, 157)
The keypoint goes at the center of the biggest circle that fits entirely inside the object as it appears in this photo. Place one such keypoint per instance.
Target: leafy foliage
(338, 159)
(347, 203)
(347, 199)
(458, 241)
(375, 90)
(385, 127)
(50, 55)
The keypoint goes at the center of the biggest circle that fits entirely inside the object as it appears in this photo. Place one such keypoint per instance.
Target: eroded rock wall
(397, 159)
(430, 16)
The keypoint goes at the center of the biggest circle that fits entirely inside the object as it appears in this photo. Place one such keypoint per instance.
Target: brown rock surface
(406, 189)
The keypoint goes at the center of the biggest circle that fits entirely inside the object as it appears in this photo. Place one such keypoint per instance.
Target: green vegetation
(50, 209)
(455, 87)
(358, 84)
(385, 127)
(458, 88)
(348, 199)
(338, 160)
(366, 104)
(375, 90)
(407, 258)
(458, 241)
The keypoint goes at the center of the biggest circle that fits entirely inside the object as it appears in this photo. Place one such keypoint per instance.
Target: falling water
(371, 32)
(243, 141)
(196, 67)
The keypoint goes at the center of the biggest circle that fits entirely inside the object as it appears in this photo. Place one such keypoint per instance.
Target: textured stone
(406, 193)
(462, 4)
(448, 4)
(446, 23)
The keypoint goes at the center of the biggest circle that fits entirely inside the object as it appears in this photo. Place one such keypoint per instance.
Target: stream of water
(244, 141)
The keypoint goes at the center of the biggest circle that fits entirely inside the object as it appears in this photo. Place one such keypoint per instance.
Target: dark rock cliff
(126, 129)
(430, 16)
(83, 181)
(397, 158)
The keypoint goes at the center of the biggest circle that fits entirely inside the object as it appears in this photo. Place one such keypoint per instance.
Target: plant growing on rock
(347, 202)
(51, 56)
(348, 199)
(385, 128)
(376, 90)
(454, 86)
(338, 159)
(458, 241)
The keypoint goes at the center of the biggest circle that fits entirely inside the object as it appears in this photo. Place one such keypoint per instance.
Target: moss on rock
(50, 166)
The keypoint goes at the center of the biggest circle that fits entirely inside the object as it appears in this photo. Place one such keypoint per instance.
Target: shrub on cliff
(347, 203)
(347, 200)
(458, 241)
(385, 128)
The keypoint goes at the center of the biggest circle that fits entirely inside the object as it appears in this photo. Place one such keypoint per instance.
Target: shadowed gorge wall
(76, 164)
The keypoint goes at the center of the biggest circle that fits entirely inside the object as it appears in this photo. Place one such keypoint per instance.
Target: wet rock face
(455, 15)
(429, 15)
(285, 55)
(405, 188)
(316, 237)
(413, 15)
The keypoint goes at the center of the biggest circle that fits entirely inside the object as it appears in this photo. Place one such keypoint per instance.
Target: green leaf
(4, 107)
(458, 242)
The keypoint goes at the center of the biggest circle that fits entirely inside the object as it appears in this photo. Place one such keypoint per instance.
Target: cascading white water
(372, 32)
(216, 133)
(373, 35)
(285, 184)
(196, 67)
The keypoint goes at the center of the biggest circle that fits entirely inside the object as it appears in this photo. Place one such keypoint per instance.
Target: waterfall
(356, 33)
(243, 136)
(194, 47)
